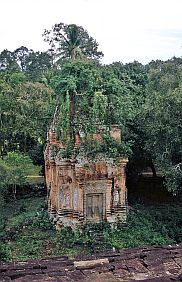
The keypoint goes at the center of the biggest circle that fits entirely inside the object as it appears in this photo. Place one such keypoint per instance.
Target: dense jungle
(145, 101)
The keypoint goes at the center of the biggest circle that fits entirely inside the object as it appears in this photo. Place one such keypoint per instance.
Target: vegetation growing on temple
(145, 101)
(133, 96)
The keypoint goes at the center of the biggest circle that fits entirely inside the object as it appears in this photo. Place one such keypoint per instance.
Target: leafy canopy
(71, 41)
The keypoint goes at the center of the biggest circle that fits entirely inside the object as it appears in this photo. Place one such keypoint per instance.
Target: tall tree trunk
(72, 115)
(153, 169)
(14, 191)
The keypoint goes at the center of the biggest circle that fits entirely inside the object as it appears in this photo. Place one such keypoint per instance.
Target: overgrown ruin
(83, 189)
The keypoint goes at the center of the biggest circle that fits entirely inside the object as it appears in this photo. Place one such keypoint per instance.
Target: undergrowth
(26, 232)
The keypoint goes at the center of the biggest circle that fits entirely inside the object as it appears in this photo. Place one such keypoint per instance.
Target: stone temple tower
(82, 190)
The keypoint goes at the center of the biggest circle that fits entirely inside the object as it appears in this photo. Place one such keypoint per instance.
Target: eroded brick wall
(79, 191)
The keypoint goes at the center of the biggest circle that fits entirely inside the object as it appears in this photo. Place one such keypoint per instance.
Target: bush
(173, 179)
(30, 234)
(4, 181)
(5, 252)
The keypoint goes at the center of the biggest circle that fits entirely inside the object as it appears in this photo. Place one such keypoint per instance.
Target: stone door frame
(95, 187)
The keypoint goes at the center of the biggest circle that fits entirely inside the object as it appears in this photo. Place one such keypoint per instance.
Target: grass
(35, 179)
(32, 170)
(33, 174)
(26, 232)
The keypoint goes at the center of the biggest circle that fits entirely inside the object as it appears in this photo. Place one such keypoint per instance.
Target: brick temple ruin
(82, 190)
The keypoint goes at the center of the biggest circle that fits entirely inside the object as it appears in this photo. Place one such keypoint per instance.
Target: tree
(4, 181)
(14, 169)
(8, 62)
(37, 64)
(23, 60)
(75, 83)
(16, 164)
(83, 83)
(71, 41)
(161, 120)
(20, 55)
(26, 109)
(162, 114)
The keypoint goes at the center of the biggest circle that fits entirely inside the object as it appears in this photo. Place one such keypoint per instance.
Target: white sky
(126, 30)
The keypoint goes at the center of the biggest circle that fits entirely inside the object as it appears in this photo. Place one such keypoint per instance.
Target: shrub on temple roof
(84, 103)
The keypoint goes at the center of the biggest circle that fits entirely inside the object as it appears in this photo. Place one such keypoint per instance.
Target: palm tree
(71, 41)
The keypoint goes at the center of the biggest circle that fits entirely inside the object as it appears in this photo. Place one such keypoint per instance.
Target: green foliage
(69, 151)
(96, 104)
(36, 154)
(26, 231)
(100, 105)
(27, 63)
(7, 61)
(63, 125)
(29, 246)
(19, 166)
(4, 181)
(114, 148)
(164, 76)
(146, 103)
(92, 97)
(160, 118)
(66, 237)
(173, 178)
(18, 160)
(36, 65)
(79, 75)
(5, 252)
(17, 78)
(15, 167)
(25, 110)
(139, 230)
(71, 41)
(35, 101)
(109, 147)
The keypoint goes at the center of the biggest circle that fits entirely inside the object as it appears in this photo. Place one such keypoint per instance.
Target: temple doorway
(94, 207)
